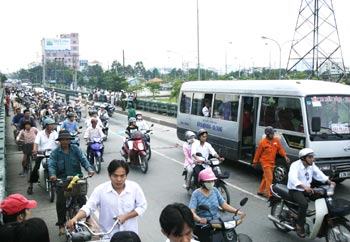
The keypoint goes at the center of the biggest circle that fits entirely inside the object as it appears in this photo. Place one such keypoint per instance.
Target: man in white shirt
(206, 109)
(141, 123)
(300, 176)
(93, 131)
(202, 146)
(44, 140)
(177, 223)
(116, 199)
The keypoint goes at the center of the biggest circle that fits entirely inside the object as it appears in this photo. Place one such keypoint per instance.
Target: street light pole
(280, 53)
(226, 56)
(198, 65)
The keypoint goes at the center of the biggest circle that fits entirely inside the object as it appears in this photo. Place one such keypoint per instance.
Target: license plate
(344, 174)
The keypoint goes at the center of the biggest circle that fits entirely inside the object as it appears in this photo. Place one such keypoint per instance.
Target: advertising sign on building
(57, 44)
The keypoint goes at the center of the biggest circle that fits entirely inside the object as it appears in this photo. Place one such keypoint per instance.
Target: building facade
(64, 49)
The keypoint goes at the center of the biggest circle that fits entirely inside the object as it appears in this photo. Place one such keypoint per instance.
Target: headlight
(325, 167)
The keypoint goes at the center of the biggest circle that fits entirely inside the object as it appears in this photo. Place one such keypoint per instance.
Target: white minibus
(305, 113)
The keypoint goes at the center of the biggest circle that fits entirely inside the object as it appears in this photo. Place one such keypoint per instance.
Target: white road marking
(229, 184)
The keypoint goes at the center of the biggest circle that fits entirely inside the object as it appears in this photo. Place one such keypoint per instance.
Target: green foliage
(3, 77)
(176, 89)
(113, 82)
(153, 87)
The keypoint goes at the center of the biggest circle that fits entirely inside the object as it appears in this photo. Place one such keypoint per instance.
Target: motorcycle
(95, 153)
(147, 138)
(221, 229)
(44, 181)
(77, 110)
(75, 138)
(220, 184)
(138, 153)
(327, 220)
(105, 127)
(110, 109)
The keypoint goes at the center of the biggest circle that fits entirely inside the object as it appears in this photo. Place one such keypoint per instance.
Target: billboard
(57, 44)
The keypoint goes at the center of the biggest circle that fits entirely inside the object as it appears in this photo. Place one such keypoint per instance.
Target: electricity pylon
(316, 45)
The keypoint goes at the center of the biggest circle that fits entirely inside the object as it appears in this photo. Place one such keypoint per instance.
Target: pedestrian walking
(265, 154)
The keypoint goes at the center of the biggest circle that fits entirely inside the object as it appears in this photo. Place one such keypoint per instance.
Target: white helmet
(305, 152)
(189, 135)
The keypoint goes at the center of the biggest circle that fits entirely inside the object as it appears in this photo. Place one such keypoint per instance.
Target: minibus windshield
(334, 114)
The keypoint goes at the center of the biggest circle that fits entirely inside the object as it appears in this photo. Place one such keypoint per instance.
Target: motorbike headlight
(140, 146)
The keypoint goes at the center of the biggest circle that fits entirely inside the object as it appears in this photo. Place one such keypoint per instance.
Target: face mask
(190, 141)
(209, 185)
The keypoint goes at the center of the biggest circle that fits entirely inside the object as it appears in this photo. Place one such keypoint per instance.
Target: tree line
(115, 78)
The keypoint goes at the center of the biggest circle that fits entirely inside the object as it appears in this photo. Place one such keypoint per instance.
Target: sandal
(300, 231)
(30, 190)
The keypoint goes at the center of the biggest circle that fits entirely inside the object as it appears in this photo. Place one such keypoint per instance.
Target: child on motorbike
(210, 196)
(188, 162)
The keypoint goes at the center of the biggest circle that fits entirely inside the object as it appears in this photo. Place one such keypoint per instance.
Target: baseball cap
(16, 203)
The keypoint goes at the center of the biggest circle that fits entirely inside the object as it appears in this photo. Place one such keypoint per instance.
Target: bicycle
(83, 232)
(75, 190)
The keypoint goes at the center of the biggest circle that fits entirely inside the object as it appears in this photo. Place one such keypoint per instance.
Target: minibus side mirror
(316, 124)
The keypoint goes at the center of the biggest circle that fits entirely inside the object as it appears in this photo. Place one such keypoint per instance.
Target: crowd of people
(120, 199)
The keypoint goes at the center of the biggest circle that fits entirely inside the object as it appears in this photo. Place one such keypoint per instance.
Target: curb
(151, 119)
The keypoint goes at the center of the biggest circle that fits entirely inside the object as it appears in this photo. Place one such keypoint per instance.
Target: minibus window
(201, 104)
(333, 112)
(226, 106)
(282, 113)
(185, 103)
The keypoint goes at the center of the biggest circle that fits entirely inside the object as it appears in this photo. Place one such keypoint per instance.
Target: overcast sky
(161, 33)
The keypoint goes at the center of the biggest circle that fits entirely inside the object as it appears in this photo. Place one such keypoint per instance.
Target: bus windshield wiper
(333, 132)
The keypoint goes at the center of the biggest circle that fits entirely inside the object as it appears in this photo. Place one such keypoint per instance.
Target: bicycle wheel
(51, 189)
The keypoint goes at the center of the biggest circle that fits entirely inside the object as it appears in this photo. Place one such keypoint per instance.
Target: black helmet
(70, 114)
(269, 130)
(201, 132)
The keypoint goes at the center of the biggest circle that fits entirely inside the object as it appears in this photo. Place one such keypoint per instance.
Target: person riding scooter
(300, 176)
(92, 132)
(70, 124)
(188, 163)
(141, 123)
(210, 196)
(205, 149)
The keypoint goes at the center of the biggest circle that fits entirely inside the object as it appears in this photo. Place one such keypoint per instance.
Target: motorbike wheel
(338, 232)
(143, 164)
(276, 211)
(149, 153)
(224, 192)
(51, 192)
(97, 164)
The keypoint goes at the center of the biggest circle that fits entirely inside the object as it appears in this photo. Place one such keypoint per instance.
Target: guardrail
(2, 147)
(169, 109)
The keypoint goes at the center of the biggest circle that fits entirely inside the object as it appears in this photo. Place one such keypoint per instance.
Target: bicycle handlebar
(82, 223)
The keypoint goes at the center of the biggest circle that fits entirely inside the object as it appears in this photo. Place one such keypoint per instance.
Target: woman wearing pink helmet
(210, 196)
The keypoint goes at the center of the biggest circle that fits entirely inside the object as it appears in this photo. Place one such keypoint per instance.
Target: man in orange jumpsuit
(266, 155)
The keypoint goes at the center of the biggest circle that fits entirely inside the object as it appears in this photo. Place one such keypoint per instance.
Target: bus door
(248, 123)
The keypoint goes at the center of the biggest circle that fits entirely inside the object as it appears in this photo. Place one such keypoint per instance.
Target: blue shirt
(17, 118)
(213, 201)
(62, 165)
(71, 127)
